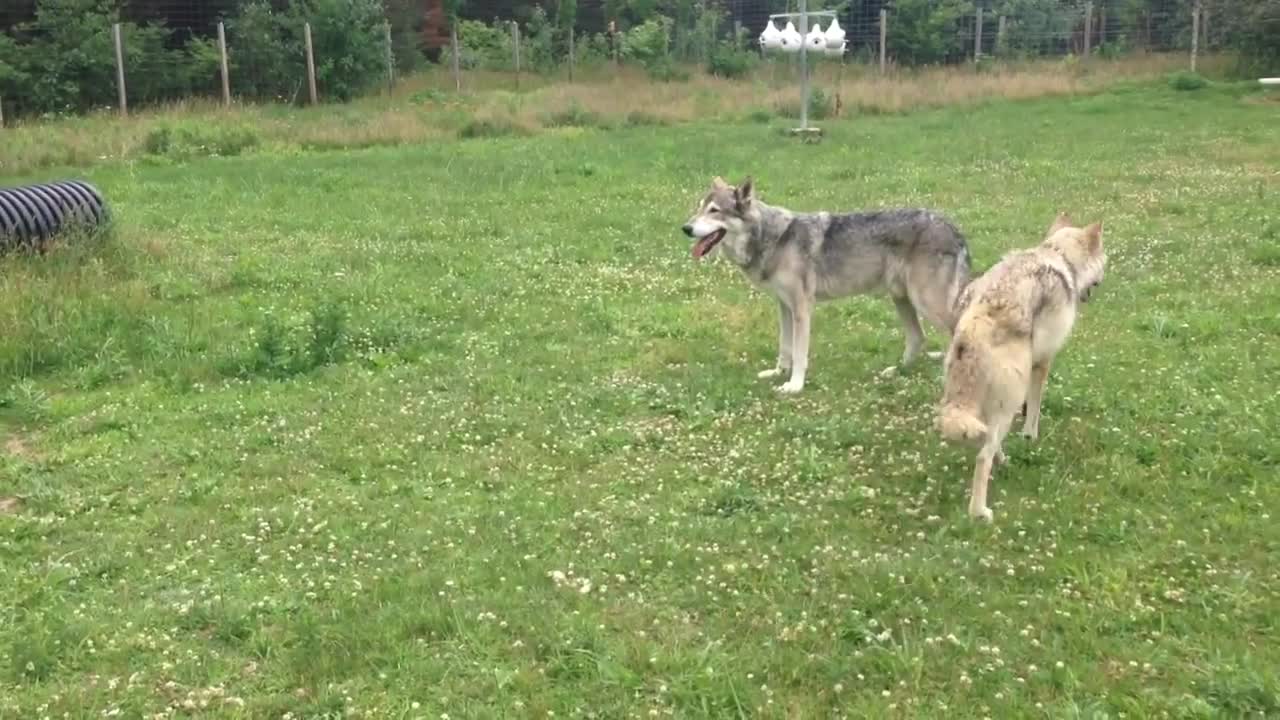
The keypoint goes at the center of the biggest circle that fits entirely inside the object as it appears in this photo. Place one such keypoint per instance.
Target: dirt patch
(17, 447)
(9, 505)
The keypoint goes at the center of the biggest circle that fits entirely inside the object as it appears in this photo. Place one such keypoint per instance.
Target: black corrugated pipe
(31, 214)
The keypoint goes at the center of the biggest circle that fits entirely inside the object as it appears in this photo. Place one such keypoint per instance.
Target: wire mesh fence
(275, 50)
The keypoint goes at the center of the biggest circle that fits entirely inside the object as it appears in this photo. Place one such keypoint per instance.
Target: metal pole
(570, 54)
(226, 75)
(804, 66)
(124, 100)
(1000, 37)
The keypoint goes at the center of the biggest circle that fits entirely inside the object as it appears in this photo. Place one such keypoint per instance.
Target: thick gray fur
(916, 256)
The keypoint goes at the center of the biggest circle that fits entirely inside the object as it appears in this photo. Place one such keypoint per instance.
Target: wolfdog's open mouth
(706, 242)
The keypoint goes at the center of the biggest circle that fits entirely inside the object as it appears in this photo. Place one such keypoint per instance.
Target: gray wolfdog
(1012, 321)
(917, 256)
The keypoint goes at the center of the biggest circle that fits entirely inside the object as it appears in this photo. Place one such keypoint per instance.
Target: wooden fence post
(311, 62)
(977, 37)
(1000, 36)
(124, 99)
(570, 54)
(884, 36)
(1195, 34)
(391, 59)
(226, 75)
(1102, 26)
(453, 43)
(1088, 28)
(515, 49)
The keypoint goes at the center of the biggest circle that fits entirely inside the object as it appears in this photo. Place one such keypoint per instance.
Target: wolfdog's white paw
(790, 387)
(983, 514)
(999, 457)
(772, 373)
(889, 371)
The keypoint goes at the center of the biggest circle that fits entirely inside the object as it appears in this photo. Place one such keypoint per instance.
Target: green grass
(460, 428)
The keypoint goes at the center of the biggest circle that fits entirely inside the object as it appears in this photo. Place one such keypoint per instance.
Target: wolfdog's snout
(688, 230)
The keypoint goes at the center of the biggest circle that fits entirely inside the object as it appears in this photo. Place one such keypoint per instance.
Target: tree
(927, 31)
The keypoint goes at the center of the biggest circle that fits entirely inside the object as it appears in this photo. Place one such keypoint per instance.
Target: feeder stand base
(808, 134)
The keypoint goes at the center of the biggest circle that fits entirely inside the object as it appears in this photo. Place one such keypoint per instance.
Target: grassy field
(458, 429)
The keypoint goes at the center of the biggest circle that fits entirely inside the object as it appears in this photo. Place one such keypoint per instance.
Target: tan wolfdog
(1012, 321)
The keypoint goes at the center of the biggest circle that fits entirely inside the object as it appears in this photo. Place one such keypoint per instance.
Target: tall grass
(424, 108)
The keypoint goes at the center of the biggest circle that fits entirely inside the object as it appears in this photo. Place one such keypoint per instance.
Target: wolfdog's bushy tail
(966, 381)
(960, 425)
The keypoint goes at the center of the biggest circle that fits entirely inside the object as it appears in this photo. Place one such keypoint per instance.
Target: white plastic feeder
(835, 36)
(791, 38)
(835, 51)
(1270, 82)
(771, 38)
(816, 40)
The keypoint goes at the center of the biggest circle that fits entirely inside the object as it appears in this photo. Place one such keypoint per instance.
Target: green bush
(821, 106)
(573, 116)
(925, 31)
(484, 47)
(727, 61)
(648, 42)
(1185, 80)
(347, 39)
(489, 128)
(349, 43)
(197, 140)
(268, 62)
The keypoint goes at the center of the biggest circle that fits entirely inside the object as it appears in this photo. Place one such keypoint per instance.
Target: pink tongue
(703, 246)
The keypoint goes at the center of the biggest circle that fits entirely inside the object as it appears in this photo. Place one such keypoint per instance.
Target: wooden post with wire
(1195, 34)
(884, 36)
(515, 49)
(222, 58)
(1088, 28)
(311, 63)
(453, 44)
(977, 37)
(391, 59)
(123, 96)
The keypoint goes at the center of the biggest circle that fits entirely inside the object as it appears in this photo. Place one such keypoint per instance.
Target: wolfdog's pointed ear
(1062, 221)
(745, 193)
(1093, 234)
(718, 183)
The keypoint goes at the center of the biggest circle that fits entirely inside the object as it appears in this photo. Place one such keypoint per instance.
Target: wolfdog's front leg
(784, 343)
(801, 314)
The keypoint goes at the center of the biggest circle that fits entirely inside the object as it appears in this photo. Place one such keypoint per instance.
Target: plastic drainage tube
(32, 214)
